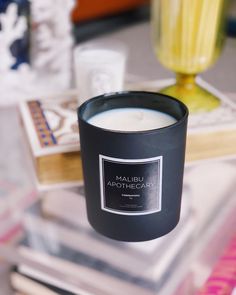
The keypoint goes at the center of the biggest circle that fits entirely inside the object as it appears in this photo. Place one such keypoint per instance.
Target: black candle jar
(133, 180)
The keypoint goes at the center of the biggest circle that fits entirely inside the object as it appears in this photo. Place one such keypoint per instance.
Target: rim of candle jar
(112, 95)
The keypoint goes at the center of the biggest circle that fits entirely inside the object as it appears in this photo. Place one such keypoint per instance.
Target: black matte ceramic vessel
(133, 180)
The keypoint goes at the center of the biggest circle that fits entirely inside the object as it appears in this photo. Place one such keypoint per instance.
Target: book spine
(222, 280)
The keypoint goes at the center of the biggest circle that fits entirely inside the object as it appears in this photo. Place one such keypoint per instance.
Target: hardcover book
(212, 246)
(25, 284)
(52, 133)
(145, 266)
(210, 134)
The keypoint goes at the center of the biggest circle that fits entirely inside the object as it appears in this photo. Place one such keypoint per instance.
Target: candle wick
(140, 115)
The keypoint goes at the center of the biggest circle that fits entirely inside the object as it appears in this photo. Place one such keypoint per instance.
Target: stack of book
(211, 183)
(64, 255)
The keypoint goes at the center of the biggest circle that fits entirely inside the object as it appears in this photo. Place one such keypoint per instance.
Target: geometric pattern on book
(55, 121)
(44, 132)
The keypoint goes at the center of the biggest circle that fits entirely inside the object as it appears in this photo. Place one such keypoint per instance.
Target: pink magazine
(222, 280)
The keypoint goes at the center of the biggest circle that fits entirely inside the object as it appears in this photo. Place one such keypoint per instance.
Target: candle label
(130, 186)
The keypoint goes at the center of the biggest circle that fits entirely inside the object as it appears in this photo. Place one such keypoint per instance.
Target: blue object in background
(231, 21)
(231, 27)
(19, 48)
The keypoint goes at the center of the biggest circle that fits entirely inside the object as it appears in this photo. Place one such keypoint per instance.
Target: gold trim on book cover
(59, 168)
(55, 168)
(211, 145)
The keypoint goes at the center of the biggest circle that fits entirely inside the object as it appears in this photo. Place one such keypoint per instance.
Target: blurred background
(101, 17)
(45, 238)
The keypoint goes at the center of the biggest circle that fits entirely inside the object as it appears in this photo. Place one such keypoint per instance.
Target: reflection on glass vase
(188, 37)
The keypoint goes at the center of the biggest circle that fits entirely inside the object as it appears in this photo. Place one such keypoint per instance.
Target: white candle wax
(131, 119)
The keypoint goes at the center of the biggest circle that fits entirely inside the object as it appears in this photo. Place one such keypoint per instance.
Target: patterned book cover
(51, 125)
(51, 129)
